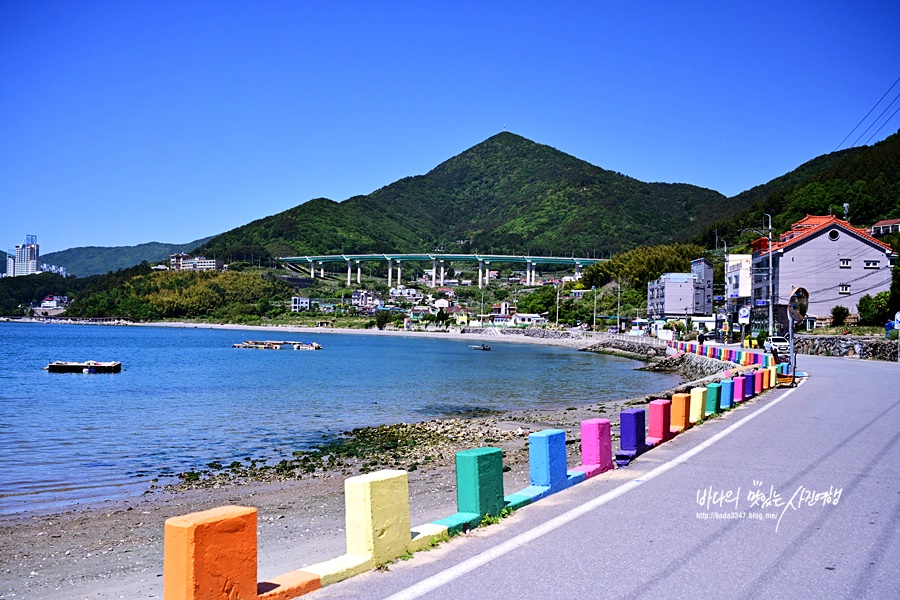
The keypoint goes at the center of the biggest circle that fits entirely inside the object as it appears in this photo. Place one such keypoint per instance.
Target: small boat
(484, 347)
(90, 366)
(277, 345)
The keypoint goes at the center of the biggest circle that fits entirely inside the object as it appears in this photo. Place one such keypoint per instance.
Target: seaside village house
(680, 295)
(834, 261)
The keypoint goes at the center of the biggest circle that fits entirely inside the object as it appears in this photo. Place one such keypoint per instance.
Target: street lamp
(594, 291)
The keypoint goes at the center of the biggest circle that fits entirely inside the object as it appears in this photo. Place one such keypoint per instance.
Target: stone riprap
(836, 345)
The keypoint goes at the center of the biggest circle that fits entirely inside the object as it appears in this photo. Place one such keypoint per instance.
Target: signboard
(761, 302)
(725, 327)
(718, 298)
(744, 315)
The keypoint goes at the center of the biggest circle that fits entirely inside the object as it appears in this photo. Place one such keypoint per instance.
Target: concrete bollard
(547, 466)
(596, 447)
(479, 488)
(632, 432)
(713, 398)
(207, 552)
(698, 402)
(660, 422)
(681, 412)
(726, 394)
(749, 385)
(377, 515)
(757, 382)
(738, 389)
(773, 376)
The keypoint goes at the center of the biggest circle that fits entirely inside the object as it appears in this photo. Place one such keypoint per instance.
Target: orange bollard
(210, 555)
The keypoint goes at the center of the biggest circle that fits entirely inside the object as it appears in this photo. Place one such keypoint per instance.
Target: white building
(299, 303)
(738, 282)
(186, 262)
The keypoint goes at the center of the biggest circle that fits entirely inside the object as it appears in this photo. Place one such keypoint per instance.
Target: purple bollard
(631, 435)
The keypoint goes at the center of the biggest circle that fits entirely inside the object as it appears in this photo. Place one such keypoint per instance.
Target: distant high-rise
(27, 255)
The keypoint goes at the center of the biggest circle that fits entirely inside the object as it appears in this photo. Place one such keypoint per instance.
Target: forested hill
(867, 178)
(94, 260)
(505, 195)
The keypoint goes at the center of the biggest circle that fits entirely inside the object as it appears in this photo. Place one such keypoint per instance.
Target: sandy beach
(114, 549)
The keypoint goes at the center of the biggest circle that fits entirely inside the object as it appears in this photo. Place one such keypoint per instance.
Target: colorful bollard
(660, 429)
(713, 398)
(738, 389)
(479, 488)
(698, 402)
(596, 447)
(726, 394)
(547, 466)
(749, 385)
(681, 412)
(632, 430)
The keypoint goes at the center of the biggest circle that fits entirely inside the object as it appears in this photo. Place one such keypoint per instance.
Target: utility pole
(618, 307)
(557, 304)
(771, 284)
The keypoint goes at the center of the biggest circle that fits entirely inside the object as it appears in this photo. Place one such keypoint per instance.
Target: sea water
(185, 398)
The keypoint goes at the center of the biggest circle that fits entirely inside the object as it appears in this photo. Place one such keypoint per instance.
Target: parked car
(780, 344)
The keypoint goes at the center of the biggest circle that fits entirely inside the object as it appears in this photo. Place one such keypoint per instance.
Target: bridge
(484, 261)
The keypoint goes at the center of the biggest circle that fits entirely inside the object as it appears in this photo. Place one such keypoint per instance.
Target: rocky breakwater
(855, 346)
(697, 370)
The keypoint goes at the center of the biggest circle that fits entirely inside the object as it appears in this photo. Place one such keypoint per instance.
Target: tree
(873, 311)
(382, 318)
(839, 314)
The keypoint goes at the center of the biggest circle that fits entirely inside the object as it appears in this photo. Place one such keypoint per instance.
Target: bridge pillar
(433, 272)
(399, 274)
(390, 271)
(577, 272)
(349, 271)
(312, 269)
(480, 265)
(358, 273)
(487, 273)
(322, 270)
(442, 272)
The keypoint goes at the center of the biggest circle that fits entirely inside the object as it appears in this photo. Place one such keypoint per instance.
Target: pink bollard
(660, 422)
(596, 447)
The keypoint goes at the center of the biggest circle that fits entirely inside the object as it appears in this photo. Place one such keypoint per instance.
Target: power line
(883, 124)
(887, 108)
(867, 115)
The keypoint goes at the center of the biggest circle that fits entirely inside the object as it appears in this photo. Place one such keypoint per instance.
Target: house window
(833, 235)
(844, 288)
(871, 264)
(845, 263)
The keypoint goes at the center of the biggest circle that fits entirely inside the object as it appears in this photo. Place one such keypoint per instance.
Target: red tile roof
(809, 225)
(887, 222)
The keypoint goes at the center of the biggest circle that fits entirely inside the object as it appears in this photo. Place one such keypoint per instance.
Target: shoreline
(113, 548)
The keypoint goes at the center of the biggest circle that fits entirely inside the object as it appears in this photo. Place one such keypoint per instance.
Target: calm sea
(186, 398)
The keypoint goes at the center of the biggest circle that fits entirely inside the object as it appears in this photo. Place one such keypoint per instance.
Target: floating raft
(90, 366)
(277, 345)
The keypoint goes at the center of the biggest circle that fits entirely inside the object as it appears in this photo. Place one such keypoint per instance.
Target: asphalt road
(690, 519)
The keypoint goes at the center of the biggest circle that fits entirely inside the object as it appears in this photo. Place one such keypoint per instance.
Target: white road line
(454, 572)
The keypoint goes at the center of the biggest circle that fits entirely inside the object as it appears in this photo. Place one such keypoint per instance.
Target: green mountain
(505, 195)
(95, 260)
(866, 178)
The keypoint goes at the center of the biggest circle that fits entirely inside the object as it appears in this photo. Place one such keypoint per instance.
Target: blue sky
(129, 122)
